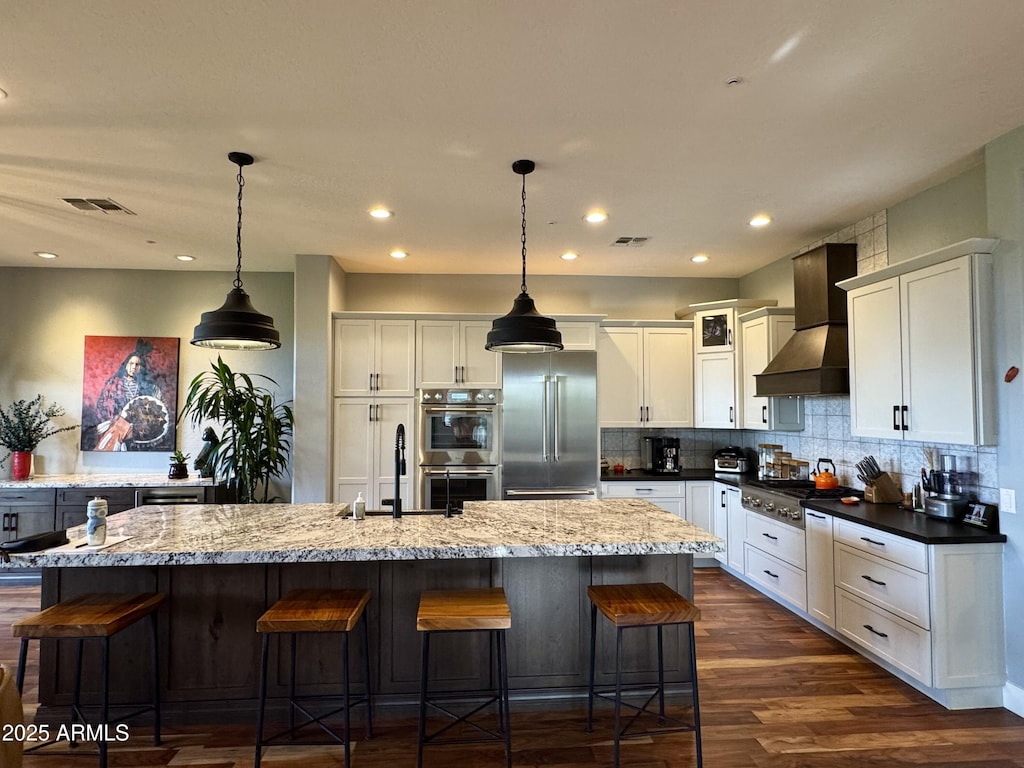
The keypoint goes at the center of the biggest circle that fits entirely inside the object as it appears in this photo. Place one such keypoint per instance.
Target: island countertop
(122, 480)
(214, 534)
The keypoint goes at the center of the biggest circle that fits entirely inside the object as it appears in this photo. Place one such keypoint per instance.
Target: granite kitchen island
(223, 565)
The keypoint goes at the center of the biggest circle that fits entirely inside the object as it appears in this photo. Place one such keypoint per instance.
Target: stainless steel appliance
(660, 455)
(781, 499)
(550, 436)
(731, 459)
(459, 446)
(947, 499)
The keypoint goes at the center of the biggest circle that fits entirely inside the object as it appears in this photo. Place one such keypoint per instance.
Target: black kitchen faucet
(396, 503)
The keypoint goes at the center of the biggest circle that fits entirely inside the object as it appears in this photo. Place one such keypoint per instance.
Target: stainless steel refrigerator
(549, 426)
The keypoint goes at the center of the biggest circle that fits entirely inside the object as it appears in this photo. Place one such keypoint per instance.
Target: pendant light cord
(524, 233)
(238, 233)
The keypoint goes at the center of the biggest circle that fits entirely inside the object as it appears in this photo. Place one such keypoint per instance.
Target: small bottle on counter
(359, 507)
(96, 525)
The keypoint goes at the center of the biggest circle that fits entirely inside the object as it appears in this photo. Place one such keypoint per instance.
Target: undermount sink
(387, 512)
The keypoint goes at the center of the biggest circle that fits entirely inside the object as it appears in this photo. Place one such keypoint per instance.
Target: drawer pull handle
(872, 541)
(773, 575)
(769, 536)
(812, 514)
(871, 629)
(873, 581)
(645, 490)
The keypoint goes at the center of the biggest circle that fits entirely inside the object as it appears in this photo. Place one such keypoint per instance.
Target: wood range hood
(816, 359)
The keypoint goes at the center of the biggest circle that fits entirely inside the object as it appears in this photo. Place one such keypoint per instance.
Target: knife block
(883, 490)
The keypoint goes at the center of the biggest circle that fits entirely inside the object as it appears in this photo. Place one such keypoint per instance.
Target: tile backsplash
(827, 419)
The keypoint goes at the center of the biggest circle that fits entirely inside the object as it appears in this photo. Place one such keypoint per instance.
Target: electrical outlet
(1008, 500)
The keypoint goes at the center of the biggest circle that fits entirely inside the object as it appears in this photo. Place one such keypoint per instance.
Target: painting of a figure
(129, 393)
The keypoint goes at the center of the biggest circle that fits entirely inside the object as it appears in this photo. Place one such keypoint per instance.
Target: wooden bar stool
(315, 610)
(629, 606)
(465, 610)
(96, 616)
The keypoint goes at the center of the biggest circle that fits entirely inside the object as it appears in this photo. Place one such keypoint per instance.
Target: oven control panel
(460, 396)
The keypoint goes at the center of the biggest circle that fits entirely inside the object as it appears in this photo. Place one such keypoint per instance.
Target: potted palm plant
(255, 442)
(23, 425)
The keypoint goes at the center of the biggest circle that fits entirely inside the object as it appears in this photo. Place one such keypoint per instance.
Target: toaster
(731, 459)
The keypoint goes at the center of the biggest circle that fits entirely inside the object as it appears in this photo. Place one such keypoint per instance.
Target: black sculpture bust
(202, 462)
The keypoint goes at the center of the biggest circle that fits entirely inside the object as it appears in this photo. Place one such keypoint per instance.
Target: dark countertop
(632, 475)
(906, 523)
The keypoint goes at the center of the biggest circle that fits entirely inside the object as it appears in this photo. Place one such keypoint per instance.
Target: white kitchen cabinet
(450, 353)
(821, 593)
(763, 333)
(700, 504)
(920, 348)
(714, 391)
(374, 357)
(670, 495)
(645, 375)
(364, 449)
(578, 334)
(729, 519)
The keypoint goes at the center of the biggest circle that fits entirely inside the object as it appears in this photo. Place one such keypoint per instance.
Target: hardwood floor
(775, 693)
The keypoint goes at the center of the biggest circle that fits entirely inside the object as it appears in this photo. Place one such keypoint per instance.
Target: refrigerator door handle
(557, 398)
(545, 427)
(549, 492)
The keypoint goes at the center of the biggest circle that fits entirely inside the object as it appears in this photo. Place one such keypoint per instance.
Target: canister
(96, 525)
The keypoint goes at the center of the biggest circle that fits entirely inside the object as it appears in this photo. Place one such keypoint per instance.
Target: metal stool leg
(424, 664)
(661, 676)
(22, 659)
(291, 692)
(263, 700)
(369, 698)
(76, 696)
(156, 680)
(696, 698)
(618, 693)
(105, 700)
(503, 696)
(593, 651)
(348, 709)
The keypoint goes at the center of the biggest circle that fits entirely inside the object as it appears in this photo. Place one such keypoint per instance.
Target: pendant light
(524, 329)
(237, 324)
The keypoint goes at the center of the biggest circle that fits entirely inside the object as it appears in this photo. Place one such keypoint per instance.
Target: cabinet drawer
(641, 490)
(783, 541)
(776, 577)
(14, 496)
(913, 554)
(121, 498)
(895, 588)
(899, 642)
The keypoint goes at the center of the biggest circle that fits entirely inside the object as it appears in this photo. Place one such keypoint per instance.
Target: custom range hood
(816, 359)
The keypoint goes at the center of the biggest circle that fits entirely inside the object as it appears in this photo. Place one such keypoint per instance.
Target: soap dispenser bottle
(359, 507)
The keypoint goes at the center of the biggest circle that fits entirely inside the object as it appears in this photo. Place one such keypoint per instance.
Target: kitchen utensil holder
(883, 490)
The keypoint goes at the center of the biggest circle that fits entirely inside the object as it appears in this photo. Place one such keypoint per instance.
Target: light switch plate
(1008, 500)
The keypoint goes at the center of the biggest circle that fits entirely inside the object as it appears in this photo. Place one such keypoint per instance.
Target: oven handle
(549, 492)
(458, 409)
(458, 471)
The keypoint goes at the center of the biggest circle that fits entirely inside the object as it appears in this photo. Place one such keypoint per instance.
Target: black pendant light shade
(524, 329)
(236, 324)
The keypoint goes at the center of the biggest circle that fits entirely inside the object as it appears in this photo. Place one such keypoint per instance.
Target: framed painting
(129, 393)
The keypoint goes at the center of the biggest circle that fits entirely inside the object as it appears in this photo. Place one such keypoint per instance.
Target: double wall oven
(460, 446)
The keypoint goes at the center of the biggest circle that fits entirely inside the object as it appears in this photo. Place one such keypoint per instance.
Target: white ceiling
(845, 107)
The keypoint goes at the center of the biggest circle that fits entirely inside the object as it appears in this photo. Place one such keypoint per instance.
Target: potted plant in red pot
(23, 425)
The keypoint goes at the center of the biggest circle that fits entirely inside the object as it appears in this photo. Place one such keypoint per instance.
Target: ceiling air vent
(630, 242)
(104, 204)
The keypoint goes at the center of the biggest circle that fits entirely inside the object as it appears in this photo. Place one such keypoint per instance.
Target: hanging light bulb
(524, 329)
(237, 324)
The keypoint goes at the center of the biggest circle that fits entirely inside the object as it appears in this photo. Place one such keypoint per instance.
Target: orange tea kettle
(823, 478)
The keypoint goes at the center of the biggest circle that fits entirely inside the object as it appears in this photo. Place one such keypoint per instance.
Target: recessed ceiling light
(700, 258)
(381, 213)
(761, 220)
(570, 256)
(45, 254)
(184, 257)
(398, 254)
(595, 217)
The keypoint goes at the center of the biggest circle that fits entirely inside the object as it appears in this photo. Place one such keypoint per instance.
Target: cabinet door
(720, 519)
(737, 529)
(354, 430)
(876, 386)
(479, 367)
(395, 351)
(353, 357)
(821, 592)
(700, 500)
(619, 376)
(437, 353)
(668, 377)
(24, 520)
(388, 415)
(715, 391)
(937, 319)
(673, 504)
(756, 354)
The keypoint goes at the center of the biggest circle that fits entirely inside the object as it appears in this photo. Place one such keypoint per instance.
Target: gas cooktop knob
(769, 506)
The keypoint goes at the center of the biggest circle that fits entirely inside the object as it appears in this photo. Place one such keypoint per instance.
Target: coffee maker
(947, 499)
(660, 455)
